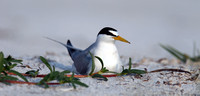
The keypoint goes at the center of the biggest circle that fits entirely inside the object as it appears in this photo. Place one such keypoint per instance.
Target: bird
(104, 47)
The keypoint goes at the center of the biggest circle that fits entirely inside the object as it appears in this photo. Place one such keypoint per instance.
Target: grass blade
(72, 80)
(10, 78)
(18, 74)
(45, 79)
(102, 64)
(93, 64)
(11, 59)
(137, 71)
(80, 83)
(32, 73)
(54, 69)
(74, 86)
(1, 61)
(174, 52)
(184, 56)
(64, 72)
(46, 63)
(46, 85)
(99, 76)
(130, 63)
(3, 79)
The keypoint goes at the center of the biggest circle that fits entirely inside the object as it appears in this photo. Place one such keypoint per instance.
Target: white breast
(109, 54)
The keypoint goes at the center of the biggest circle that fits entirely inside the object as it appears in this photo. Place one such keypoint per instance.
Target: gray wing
(83, 59)
(80, 57)
(81, 62)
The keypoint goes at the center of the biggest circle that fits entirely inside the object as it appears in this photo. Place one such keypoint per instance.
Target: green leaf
(1, 61)
(10, 78)
(64, 72)
(72, 76)
(54, 69)
(43, 81)
(11, 59)
(59, 76)
(74, 86)
(12, 66)
(46, 63)
(93, 64)
(99, 76)
(104, 70)
(137, 71)
(175, 53)
(46, 85)
(130, 63)
(32, 73)
(43, 84)
(18, 74)
(125, 71)
(102, 64)
(132, 71)
(62, 79)
(3, 79)
(54, 75)
(46, 78)
(112, 72)
(72, 80)
(80, 83)
(16, 61)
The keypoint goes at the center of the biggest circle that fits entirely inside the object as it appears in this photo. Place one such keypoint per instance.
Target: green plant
(132, 71)
(32, 73)
(182, 56)
(93, 64)
(98, 74)
(104, 70)
(59, 76)
(6, 65)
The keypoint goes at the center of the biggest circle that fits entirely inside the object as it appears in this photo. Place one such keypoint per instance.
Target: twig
(174, 70)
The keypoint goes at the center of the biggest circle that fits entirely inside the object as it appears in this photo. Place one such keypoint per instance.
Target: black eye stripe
(106, 31)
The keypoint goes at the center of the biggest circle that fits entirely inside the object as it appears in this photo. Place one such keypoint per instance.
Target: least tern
(104, 47)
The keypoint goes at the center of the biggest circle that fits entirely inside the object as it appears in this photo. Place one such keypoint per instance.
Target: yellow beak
(121, 39)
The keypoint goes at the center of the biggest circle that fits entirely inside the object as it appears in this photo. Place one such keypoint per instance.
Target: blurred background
(145, 23)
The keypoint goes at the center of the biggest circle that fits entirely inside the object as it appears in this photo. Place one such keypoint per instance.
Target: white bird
(104, 47)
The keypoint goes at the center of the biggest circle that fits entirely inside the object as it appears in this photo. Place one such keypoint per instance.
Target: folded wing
(80, 57)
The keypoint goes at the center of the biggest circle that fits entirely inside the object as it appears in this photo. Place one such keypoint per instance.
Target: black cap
(106, 31)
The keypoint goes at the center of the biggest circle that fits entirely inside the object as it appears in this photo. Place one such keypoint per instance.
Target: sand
(157, 83)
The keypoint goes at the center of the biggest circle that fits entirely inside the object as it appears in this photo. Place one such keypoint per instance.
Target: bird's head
(110, 34)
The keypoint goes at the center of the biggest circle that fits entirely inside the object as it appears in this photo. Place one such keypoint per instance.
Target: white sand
(159, 83)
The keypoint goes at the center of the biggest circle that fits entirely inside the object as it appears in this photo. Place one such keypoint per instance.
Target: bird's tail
(56, 41)
(69, 46)
(69, 43)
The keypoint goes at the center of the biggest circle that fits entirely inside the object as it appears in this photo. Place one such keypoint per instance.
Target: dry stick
(43, 75)
(113, 75)
(82, 76)
(173, 70)
(29, 83)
